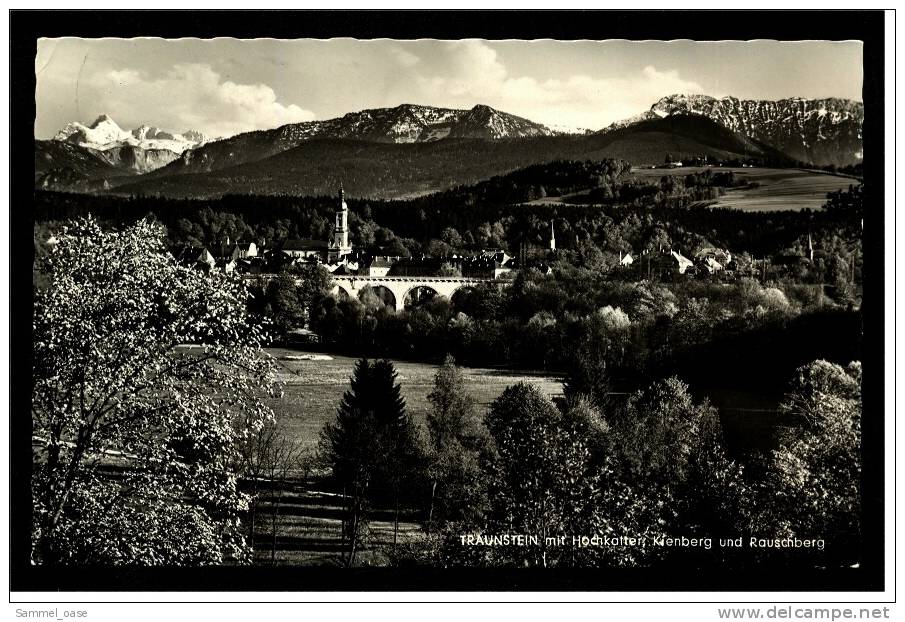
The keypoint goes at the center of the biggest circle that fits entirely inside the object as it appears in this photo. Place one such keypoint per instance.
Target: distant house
(626, 260)
(486, 266)
(498, 255)
(682, 262)
(723, 257)
(677, 262)
(251, 265)
(275, 260)
(226, 256)
(301, 336)
(377, 266)
(711, 265)
(247, 250)
(672, 262)
(501, 269)
(340, 270)
(342, 267)
(305, 249)
(229, 266)
(195, 257)
(712, 260)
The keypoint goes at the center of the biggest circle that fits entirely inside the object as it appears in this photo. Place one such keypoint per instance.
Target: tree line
(652, 472)
(616, 212)
(633, 330)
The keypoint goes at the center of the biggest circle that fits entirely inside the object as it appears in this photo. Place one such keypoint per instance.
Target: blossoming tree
(147, 376)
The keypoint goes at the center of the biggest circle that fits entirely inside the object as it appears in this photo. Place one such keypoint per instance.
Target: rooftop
(303, 245)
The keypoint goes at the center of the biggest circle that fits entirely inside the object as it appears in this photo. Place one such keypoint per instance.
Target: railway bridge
(399, 291)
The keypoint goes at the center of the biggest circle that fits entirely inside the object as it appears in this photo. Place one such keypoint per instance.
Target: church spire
(340, 245)
(552, 237)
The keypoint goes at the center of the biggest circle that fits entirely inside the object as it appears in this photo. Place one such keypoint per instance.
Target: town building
(667, 264)
(712, 260)
(305, 249)
(377, 266)
(333, 252)
(195, 257)
(721, 256)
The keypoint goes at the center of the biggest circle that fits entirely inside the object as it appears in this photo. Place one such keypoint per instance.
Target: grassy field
(779, 189)
(314, 388)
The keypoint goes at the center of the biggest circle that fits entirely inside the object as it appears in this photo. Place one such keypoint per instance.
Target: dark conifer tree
(372, 447)
(347, 448)
(400, 459)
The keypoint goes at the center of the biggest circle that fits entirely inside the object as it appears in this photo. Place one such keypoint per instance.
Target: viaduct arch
(402, 286)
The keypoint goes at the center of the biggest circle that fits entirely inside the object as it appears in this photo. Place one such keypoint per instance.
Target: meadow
(313, 389)
(776, 188)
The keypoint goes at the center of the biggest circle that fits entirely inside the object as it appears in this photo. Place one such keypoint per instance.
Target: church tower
(340, 246)
(552, 237)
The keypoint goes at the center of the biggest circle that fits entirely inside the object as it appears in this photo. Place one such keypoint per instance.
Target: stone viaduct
(399, 290)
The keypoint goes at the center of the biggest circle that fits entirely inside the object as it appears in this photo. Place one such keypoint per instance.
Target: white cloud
(191, 96)
(403, 57)
(457, 74)
(465, 73)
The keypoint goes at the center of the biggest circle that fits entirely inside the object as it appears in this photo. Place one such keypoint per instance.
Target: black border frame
(27, 26)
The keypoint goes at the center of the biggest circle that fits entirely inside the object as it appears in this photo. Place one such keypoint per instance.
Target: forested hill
(555, 178)
(67, 165)
(390, 171)
(366, 169)
(490, 213)
(551, 179)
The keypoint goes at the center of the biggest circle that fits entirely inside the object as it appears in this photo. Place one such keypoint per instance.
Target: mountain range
(395, 170)
(413, 149)
(818, 131)
(104, 133)
(140, 150)
(403, 124)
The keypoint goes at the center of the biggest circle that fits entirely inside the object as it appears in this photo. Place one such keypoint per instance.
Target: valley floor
(313, 389)
(777, 189)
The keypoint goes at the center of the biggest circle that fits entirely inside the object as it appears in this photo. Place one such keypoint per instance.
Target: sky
(226, 86)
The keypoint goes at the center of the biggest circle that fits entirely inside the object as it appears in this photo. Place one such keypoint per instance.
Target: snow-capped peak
(104, 134)
(563, 128)
(145, 131)
(104, 120)
(194, 136)
(102, 131)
